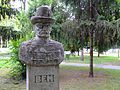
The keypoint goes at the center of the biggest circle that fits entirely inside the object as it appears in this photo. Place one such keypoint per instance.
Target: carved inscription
(44, 78)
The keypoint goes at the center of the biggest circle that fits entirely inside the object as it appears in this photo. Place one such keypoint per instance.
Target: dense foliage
(6, 10)
(18, 70)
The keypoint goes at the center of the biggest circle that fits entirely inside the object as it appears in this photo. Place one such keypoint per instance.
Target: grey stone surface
(36, 53)
(43, 78)
(41, 54)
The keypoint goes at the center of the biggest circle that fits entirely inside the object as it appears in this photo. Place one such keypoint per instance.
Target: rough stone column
(41, 54)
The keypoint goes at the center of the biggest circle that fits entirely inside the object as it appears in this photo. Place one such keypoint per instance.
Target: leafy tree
(94, 10)
(60, 16)
(75, 34)
(8, 33)
(116, 34)
(5, 9)
(103, 36)
(80, 6)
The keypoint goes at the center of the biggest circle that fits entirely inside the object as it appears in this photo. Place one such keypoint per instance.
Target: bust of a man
(41, 50)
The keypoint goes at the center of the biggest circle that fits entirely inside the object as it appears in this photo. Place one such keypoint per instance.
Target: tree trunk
(1, 42)
(78, 52)
(105, 52)
(118, 52)
(24, 4)
(82, 55)
(91, 41)
(91, 54)
(98, 54)
(7, 43)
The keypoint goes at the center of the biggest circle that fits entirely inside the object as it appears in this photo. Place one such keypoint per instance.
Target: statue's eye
(39, 27)
(47, 25)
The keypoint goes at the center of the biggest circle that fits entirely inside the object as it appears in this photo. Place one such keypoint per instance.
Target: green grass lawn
(104, 79)
(71, 78)
(97, 60)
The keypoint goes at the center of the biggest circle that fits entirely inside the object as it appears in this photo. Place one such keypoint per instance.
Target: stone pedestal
(43, 78)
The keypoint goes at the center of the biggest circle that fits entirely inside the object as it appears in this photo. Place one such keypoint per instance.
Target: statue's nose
(44, 29)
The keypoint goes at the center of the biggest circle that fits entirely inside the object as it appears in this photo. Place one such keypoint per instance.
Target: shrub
(18, 69)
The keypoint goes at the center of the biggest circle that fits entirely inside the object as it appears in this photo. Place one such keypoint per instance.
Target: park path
(95, 65)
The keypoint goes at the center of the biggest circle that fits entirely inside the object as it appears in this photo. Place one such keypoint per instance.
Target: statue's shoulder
(55, 42)
(27, 43)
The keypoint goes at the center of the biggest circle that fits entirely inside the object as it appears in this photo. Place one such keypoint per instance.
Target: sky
(17, 4)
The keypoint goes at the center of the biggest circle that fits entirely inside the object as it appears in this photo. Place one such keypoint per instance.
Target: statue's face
(42, 30)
